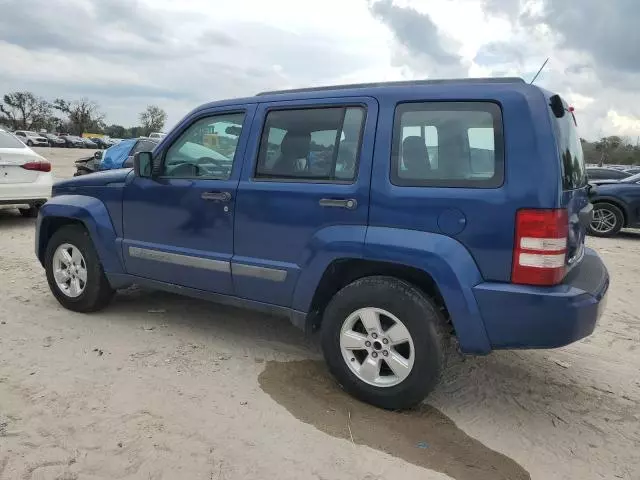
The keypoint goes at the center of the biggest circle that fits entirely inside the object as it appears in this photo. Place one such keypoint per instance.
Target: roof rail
(398, 84)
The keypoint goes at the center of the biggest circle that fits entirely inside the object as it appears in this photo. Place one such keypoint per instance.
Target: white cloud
(624, 125)
(126, 54)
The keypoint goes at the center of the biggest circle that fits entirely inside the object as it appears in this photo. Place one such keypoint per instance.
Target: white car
(157, 135)
(25, 176)
(32, 139)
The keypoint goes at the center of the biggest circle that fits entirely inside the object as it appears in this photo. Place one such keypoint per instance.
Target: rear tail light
(38, 165)
(540, 247)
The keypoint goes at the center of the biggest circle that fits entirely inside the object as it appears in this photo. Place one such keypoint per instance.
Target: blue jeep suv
(391, 217)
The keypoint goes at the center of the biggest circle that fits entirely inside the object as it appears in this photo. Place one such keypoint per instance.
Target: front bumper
(519, 316)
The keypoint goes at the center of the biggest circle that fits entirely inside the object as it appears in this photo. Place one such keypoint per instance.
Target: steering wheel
(186, 170)
(209, 160)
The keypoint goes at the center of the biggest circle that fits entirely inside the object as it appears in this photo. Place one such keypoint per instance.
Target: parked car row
(63, 140)
(611, 172)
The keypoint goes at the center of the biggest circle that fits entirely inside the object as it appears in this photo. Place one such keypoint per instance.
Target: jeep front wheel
(384, 341)
(74, 272)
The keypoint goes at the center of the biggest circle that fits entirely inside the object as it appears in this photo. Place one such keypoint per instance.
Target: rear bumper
(27, 193)
(518, 316)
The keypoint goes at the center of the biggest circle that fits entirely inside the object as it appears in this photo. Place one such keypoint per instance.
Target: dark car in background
(604, 173)
(633, 170)
(71, 141)
(54, 140)
(101, 142)
(616, 205)
(88, 143)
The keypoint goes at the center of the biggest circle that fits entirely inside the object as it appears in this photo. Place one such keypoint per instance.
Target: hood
(97, 179)
(85, 159)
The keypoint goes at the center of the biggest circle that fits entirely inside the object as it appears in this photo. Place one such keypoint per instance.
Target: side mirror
(143, 164)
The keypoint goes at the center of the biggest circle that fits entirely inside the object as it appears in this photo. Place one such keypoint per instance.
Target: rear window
(448, 144)
(574, 173)
(9, 141)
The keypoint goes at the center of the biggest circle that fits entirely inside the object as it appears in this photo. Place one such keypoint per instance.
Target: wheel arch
(83, 210)
(47, 228)
(341, 272)
(438, 265)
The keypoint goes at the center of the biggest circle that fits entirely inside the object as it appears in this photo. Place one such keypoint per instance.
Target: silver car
(31, 139)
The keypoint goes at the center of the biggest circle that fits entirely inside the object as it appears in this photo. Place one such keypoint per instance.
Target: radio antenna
(536, 75)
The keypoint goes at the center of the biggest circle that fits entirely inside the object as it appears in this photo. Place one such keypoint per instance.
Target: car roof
(461, 86)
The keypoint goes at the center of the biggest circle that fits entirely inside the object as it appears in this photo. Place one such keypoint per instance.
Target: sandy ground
(161, 387)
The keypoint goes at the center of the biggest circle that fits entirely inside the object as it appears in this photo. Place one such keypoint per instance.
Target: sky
(127, 54)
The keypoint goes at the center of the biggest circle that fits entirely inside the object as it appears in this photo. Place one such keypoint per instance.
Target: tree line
(613, 150)
(27, 111)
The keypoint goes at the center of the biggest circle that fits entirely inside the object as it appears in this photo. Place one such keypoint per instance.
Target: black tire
(31, 212)
(29, 143)
(97, 293)
(420, 316)
(608, 208)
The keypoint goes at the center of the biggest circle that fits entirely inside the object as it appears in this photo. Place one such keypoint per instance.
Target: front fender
(93, 214)
(450, 265)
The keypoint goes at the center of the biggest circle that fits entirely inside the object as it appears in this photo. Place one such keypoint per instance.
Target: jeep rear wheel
(74, 272)
(384, 341)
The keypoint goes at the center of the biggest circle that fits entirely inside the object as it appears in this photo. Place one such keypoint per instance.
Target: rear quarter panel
(486, 215)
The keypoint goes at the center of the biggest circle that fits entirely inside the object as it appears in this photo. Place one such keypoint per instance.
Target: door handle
(216, 196)
(348, 203)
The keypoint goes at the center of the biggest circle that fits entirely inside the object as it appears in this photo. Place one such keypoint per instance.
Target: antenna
(536, 75)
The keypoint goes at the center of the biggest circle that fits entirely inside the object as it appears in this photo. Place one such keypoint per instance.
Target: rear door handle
(216, 196)
(348, 203)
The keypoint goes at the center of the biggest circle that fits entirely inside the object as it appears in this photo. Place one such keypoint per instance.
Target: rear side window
(314, 144)
(448, 144)
(9, 141)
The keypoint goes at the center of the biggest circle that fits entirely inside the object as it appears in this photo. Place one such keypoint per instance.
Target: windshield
(9, 141)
